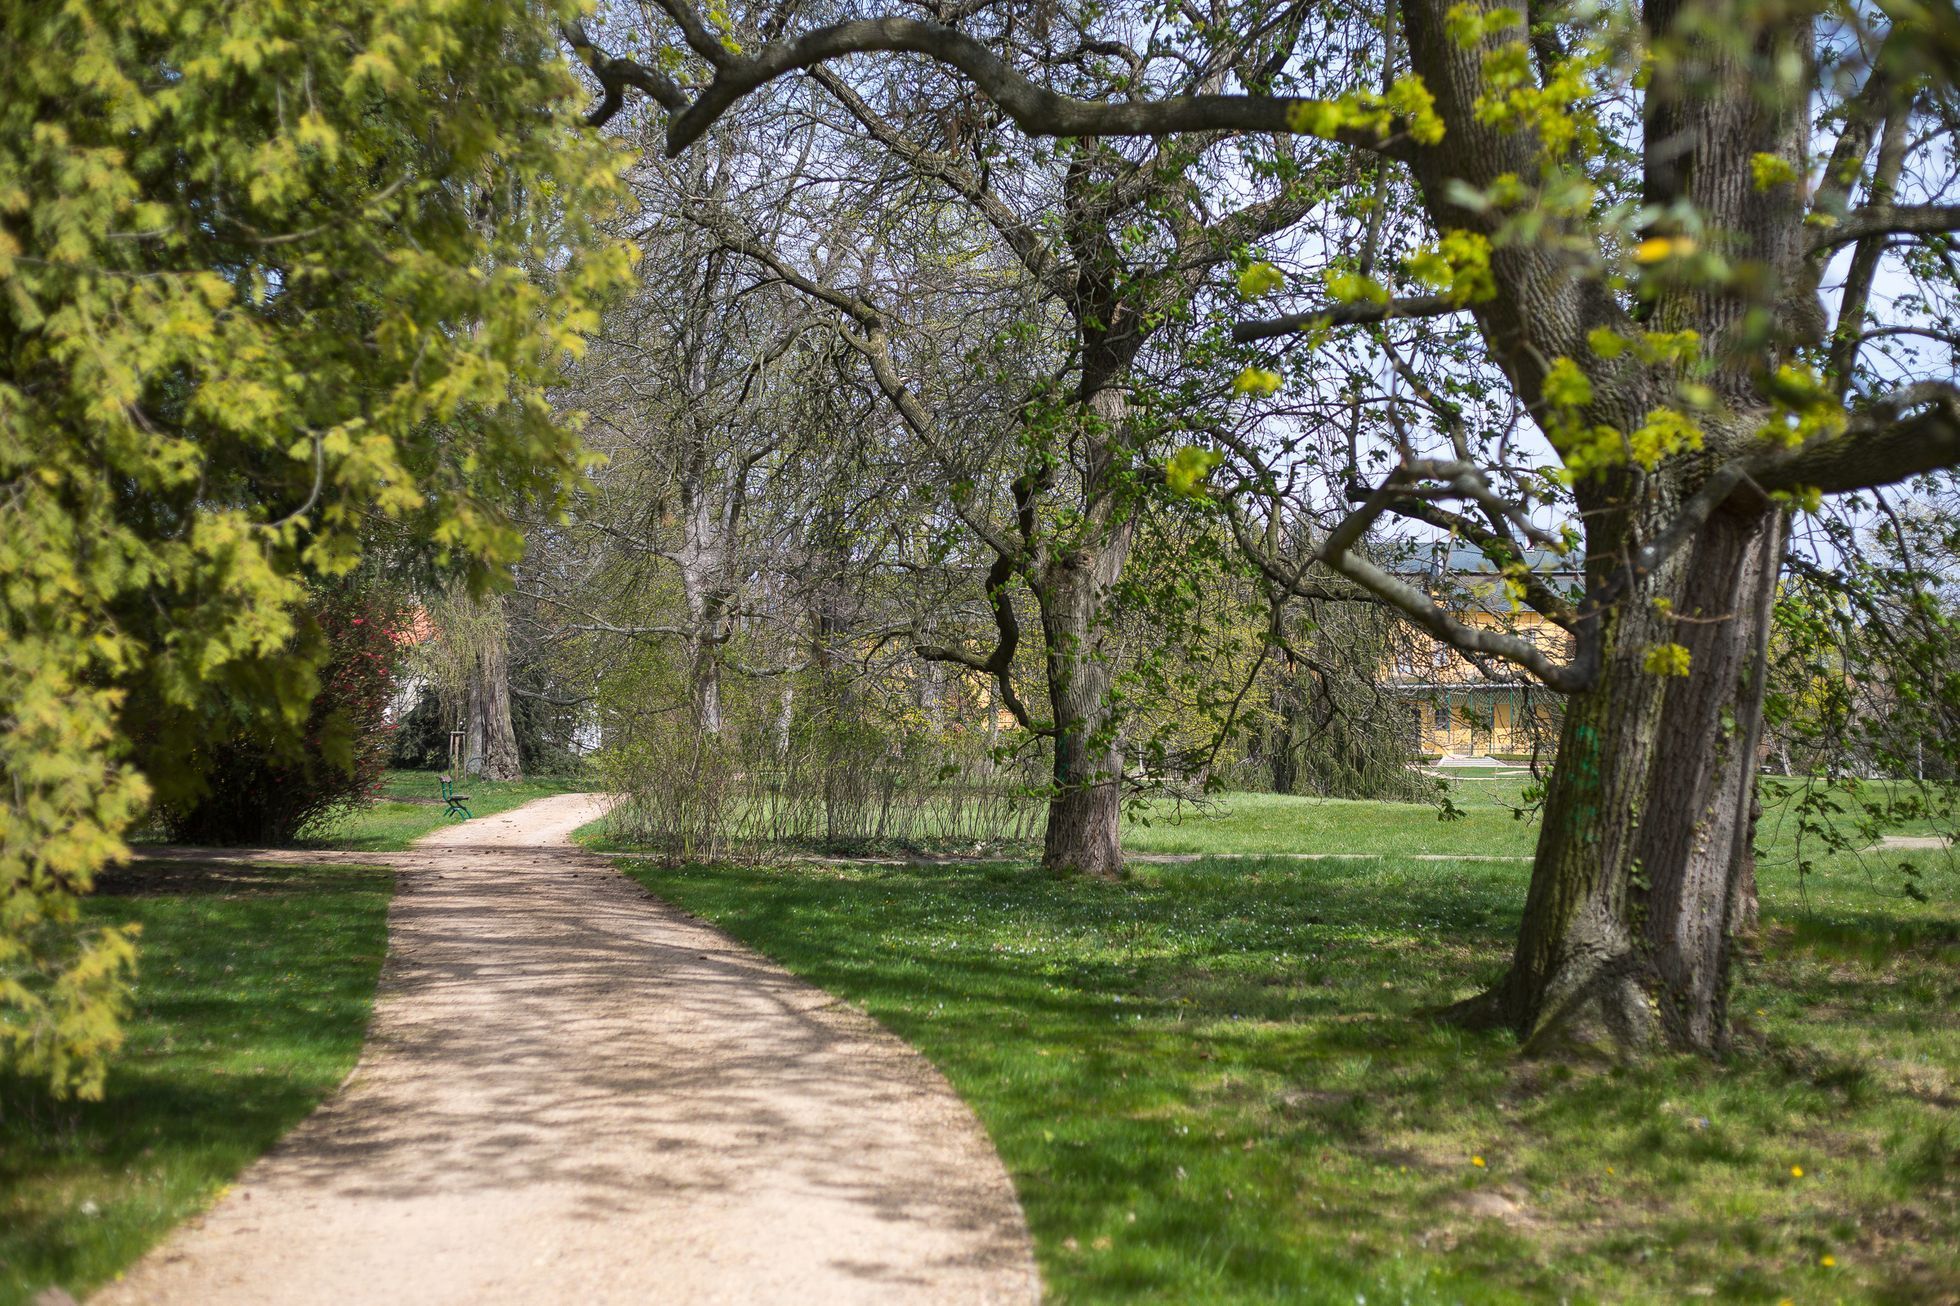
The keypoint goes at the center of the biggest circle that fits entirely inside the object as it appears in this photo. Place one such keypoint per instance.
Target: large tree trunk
(1643, 860)
(1577, 975)
(1085, 808)
(1695, 841)
(490, 748)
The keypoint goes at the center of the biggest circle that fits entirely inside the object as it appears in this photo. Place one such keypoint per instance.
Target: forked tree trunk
(1695, 842)
(1643, 860)
(491, 738)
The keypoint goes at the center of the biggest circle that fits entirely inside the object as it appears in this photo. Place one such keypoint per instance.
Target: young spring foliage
(270, 274)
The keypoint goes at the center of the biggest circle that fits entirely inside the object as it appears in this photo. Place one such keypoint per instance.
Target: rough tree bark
(1699, 824)
(490, 746)
(1577, 976)
(1085, 810)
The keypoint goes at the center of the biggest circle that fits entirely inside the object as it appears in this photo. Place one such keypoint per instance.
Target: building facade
(1457, 708)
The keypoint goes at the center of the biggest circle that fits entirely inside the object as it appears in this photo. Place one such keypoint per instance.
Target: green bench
(454, 804)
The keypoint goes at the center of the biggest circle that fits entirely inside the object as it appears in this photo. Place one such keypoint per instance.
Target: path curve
(572, 1092)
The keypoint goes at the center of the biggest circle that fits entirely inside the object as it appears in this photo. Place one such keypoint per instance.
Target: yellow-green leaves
(1665, 660)
(347, 226)
(1605, 342)
(1588, 448)
(1802, 407)
(1584, 447)
(1260, 279)
(1407, 99)
(1256, 382)
(1679, 349)
(1515, 97)
(1566, 386)
(1803, 498)
(1665, 432)
(1468, 23)
(1187, 469)
(1458, 266)
(1771, 170)
(1353, 288)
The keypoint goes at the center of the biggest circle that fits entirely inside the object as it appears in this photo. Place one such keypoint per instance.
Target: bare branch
(1887, 220)
(616, 76)
(1339, 315)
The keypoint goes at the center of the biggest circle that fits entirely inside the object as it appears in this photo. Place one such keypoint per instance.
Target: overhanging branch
(1034, 108)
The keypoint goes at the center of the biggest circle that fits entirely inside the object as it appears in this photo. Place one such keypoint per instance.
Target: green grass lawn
(410, 806)
(253, 995)
(1274, 823)
(1215, 1082)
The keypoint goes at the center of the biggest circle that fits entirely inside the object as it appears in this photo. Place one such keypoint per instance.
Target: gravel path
(574, 1093)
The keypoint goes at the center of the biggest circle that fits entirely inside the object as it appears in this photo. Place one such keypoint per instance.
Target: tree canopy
(276, 281)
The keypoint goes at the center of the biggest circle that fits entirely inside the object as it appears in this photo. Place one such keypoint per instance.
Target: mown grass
(410, 806)
(252, 998)
(1238, 824)
(1216, 1082)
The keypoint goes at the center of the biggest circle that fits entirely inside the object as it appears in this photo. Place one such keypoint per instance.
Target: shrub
(265, 782)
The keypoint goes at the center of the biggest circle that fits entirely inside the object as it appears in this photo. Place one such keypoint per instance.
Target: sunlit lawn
(1273, 823)
(251, 1003)
(1216, 1081)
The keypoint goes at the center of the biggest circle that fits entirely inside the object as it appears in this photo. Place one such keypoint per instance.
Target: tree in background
(1863, 675)
(466, 662)
(270, 278)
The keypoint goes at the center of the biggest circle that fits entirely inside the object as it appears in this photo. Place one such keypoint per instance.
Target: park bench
(454, 804)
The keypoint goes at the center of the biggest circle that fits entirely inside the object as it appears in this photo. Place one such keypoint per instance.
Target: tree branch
(617, 75)
(1423, 609)
(1035, 109)
(1887, 220)
(1904, 434)
(1339, 315)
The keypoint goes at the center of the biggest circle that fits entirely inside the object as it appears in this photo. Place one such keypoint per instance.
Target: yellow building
(1457, 708)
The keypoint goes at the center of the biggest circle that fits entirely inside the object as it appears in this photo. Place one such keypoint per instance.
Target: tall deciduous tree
(269, 274)
(1634, 205)
(1112, 245)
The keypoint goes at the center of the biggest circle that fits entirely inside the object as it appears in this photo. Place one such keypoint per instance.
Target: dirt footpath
(573, 1093)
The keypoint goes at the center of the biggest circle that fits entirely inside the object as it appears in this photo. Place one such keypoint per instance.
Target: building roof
(1461, 558)
(1460, 574)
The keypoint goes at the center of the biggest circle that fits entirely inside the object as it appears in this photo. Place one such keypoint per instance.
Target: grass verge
(253, 996)
(1214, 1082)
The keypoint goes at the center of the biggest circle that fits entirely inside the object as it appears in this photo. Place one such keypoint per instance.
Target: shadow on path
(572, 1092)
